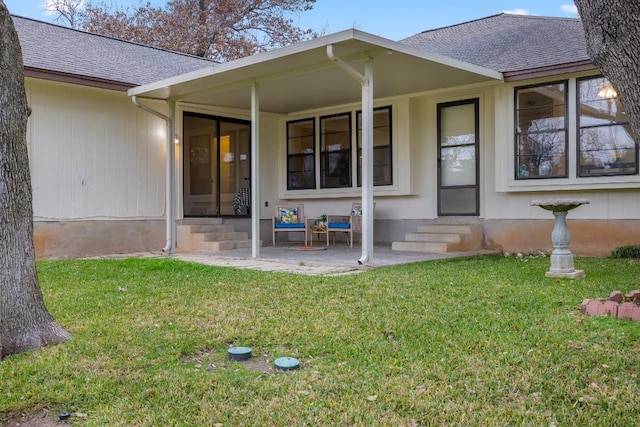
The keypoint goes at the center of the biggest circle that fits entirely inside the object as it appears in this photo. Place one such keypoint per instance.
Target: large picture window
(541, 131)
(605, 143)
(382, 171)
(335, 150)
(301, 160)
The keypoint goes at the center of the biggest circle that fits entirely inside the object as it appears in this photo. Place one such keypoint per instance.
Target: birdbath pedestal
(561, 257)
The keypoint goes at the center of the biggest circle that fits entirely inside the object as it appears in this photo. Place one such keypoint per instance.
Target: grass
(479, 341)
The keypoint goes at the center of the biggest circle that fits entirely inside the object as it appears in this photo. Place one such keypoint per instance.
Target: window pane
(606, 145)
(607, 150)
(301, 155)
(541, 108)
(457, 125)
(541, 134)
(335, 162)
(541, 155)
(599, 104)
(458, 165)
(382, 168)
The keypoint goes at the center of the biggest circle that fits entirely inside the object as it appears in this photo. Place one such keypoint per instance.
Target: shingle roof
(63, 50)
(507, 42)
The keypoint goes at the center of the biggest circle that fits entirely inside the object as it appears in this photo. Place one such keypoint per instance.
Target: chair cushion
(288, 215)
(341, 225)
(356, 211)
(290, 226)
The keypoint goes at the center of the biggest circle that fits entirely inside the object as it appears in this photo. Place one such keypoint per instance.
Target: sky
(392, 19)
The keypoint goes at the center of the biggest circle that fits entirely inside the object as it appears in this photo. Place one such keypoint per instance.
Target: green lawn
(479, 341)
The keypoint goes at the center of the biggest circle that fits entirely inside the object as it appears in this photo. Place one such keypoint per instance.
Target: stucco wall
(588, 237)
(77, 239)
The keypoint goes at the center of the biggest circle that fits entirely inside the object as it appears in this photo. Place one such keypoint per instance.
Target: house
(465, 124)
(97, 162)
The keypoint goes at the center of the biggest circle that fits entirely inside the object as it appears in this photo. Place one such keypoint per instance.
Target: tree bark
(25, 323)
(612, 30)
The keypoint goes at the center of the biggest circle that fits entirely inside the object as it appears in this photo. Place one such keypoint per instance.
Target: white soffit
(301, 77)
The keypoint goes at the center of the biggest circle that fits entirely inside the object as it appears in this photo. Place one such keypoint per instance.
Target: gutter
(170, 220)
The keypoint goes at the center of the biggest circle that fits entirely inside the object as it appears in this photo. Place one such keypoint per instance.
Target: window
(301, 163)
(541, 131)
(382, 172)
(335, 149)
(605, 143)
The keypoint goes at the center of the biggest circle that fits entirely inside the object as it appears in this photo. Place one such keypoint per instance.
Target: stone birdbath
(561, 257)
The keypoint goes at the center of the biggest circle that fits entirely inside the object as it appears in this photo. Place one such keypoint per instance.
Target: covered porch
(339, 69)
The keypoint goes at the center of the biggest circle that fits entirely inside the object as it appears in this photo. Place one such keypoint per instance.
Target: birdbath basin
(561, 257)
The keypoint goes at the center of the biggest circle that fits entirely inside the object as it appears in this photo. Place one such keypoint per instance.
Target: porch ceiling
(302, 77)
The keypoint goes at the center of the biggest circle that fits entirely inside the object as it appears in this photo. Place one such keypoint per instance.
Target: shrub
(630, 251)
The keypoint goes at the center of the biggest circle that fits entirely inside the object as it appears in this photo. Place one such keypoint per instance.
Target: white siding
(94, 155)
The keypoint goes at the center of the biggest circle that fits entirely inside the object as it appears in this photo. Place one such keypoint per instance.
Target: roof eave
(548, 71)
(56, 76)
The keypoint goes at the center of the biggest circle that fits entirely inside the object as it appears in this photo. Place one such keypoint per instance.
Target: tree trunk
(25, 323)
(613, 41)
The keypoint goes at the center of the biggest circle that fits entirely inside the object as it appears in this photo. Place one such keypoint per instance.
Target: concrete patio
(334, 259)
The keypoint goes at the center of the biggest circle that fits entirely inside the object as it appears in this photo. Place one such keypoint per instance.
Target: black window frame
(292, 156)
(579, 168)
(344, 154)
(517, 134)
(388, 147)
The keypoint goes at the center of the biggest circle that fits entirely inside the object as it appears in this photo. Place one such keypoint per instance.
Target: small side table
(319, 229)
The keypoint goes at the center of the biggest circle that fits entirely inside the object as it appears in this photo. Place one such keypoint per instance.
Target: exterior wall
(98, 168)
(98, 171)
(94, 155)
(612, 197)
(588, 237)
(511, 223)
(77, 239)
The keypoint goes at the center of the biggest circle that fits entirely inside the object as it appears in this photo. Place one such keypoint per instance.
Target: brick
(583, 306)
(616, 296)
(635, 313)
(633, 296)
(625, 310)
(592, 307)
(610, 308)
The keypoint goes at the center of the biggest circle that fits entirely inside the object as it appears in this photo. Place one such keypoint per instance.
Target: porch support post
(171, 181)
(366, 81)
(255, 182)
(367, 164)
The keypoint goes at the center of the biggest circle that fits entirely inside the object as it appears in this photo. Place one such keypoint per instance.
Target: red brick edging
(616, 305)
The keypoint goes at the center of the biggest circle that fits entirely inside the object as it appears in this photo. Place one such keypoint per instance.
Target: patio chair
(347, 224)
(290, 218)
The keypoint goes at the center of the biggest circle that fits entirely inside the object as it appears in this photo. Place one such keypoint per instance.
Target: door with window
(458, 140)
(216, 166)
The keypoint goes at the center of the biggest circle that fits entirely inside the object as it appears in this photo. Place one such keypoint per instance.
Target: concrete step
(226, 245)
(210, 228)
(225, 236)
(202, 221)
(437, 247)
(441, 238)
(433, 237)
(209, 235)
(446, 228)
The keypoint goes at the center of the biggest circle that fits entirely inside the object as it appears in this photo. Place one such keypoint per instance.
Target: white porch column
(255, 157)
(366, 81)
(367, 164)
(171, 178)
